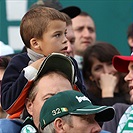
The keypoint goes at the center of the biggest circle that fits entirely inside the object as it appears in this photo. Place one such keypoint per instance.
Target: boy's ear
(34, 44)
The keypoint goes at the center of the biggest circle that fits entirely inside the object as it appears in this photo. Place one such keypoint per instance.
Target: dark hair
(83, 13)
(130, 31)
(48, 3)
(4, 62)
(104, 52)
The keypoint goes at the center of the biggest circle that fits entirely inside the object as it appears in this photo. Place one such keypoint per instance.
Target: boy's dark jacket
(15, 86)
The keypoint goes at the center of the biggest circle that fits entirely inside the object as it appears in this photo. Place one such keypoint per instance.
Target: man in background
(85, 35)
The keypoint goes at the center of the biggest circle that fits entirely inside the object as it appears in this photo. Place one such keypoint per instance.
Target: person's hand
(108, 84)
(37, 63)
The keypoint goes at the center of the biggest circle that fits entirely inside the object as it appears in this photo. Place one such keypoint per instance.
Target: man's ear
(34, 44)
(29, 106)
(59, 125)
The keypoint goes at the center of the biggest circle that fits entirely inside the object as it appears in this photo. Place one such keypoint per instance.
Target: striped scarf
(126, 122)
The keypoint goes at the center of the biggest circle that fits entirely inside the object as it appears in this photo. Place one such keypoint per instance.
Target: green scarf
(126, 122)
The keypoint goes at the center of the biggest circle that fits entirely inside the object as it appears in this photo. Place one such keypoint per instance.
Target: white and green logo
(28, 129)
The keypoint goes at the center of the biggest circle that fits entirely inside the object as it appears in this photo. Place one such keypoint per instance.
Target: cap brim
(121, 63)
(57, 62)
(71, 11)
(103, 113)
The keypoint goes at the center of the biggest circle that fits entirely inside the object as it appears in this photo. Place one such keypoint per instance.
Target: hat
(121, 63)
(73, 103)
(71, 11)
(57, 62)
(5, 49)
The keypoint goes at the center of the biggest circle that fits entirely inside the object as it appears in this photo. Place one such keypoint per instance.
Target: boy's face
(54, 39)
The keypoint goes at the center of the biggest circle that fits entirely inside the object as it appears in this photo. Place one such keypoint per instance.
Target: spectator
(52, 78)
(40, 42)
(85, 34)
(123, 124)
(71, 12)
(130, 36)
(3, 64)
(105, 85)
(74, 113)
(70, 37)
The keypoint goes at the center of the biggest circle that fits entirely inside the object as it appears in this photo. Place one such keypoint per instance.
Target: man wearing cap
(50, 80)
(122, 121)
(75, 113)
(52, 77)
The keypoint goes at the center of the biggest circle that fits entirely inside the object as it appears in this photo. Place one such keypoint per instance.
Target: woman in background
(4, 60)
(105, 85)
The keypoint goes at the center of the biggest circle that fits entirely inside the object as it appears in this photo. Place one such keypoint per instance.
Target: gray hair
(50, 128)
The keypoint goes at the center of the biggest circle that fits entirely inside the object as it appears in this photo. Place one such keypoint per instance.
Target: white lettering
(83, 98)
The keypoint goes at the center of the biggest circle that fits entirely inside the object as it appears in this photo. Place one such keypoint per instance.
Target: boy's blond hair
(35, 22)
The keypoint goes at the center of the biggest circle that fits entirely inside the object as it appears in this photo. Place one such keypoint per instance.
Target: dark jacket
(15, 86)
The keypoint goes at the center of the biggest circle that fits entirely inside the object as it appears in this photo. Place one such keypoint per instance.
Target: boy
(43, 31)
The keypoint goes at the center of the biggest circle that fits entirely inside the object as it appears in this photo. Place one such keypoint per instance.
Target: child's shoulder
(21, 56)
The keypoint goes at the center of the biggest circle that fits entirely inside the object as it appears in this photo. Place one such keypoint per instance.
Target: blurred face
(83, 124)
(85, 34)
(129, 79)
(99, 68)
(1, 76)
(71, 40)
(130, 41)
(48, 86)
(2, 113)
(54, 39)
(1, 73)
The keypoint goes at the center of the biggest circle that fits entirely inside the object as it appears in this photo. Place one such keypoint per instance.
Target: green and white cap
(58, 62)
(74, 103)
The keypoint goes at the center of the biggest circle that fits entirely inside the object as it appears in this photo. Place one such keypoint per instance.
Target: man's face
(54, 39)
(48, 86)
(129, 79)
(83, 124)
(71, 40)
(85, 34)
